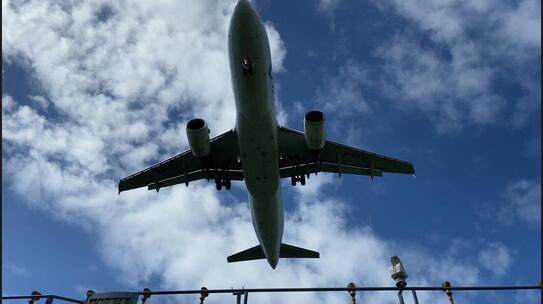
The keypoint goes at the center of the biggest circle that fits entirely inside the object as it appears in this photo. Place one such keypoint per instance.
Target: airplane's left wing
(298, 160)
(221, 164)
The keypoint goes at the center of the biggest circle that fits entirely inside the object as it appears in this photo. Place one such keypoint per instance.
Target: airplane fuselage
(256, 125)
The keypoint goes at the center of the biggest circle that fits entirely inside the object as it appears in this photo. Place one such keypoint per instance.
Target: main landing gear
(219, 183)
(296, 179)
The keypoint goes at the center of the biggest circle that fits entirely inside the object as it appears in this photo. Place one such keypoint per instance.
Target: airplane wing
(221, 163)
(297, 159)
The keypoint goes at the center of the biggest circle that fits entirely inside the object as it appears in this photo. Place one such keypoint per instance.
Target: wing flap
(194, 176)
(307, 169)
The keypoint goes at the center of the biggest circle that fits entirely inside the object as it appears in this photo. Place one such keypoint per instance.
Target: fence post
(35, 297)
(400, 296)
(245, 298)
(238, 296)
(203, 294)
(415, 298)
(351, 288)
(447, 289)
(145, 295)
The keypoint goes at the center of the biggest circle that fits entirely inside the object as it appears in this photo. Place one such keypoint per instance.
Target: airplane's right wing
(298, 159)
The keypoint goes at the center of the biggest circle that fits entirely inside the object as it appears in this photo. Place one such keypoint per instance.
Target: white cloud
(452, 93)
(522, 24)
(7, 103)
(40, 101)
(342, 92)
(522, 203)
(16, 270)
(496, 258)
(454, 78)
(328, 6)
(450, 21)
(277, 47)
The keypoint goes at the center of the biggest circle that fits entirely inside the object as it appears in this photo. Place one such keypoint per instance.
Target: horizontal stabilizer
(253, 253)
(289, 251)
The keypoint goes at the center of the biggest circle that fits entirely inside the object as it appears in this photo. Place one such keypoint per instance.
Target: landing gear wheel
(218, 184)
(293, 180)
(227, 184)
(302, 180)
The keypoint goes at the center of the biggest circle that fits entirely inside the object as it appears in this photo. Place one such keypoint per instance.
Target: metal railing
(244, 292)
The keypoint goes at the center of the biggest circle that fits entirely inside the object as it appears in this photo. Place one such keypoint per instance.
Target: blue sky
(95, 91)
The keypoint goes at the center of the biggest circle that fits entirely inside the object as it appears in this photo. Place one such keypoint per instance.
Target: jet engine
(198, 136)
(314, 130)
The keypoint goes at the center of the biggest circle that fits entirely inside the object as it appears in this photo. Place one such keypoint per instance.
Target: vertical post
(398, 274)
(245, 298)
(34, 297)
(351, 288)
(238, 296)
(146, 295)
(203, 294)
(447, 289)
(400, 296)
(415, 298)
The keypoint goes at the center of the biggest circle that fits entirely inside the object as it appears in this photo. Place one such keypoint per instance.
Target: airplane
(259, 151)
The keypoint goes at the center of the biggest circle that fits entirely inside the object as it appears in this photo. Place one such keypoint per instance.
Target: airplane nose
(243, 7)
(245, 17)
(273, 262)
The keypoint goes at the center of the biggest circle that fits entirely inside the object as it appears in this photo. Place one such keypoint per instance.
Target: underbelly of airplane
(259, 155)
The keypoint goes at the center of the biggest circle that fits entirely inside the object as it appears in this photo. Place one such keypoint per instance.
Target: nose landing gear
(247, 66)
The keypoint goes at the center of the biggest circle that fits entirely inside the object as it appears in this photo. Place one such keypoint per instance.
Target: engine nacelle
(314, 130)
(198, 136)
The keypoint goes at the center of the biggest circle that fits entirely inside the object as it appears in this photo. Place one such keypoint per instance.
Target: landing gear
(296, 179)
(219, 183)
(227, 184)
(247, 66)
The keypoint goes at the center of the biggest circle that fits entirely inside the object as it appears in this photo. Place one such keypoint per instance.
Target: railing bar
(175, 292)
(41, 297)
(341, 289)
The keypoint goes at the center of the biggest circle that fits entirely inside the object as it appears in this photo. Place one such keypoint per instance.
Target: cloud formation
(452, 74)
(119, 80)
(496, 258)
(522, 203)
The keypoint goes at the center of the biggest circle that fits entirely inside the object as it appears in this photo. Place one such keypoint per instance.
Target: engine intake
(198, 136)
(314, 130)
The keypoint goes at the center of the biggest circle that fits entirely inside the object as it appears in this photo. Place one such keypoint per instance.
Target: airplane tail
(286, 251)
